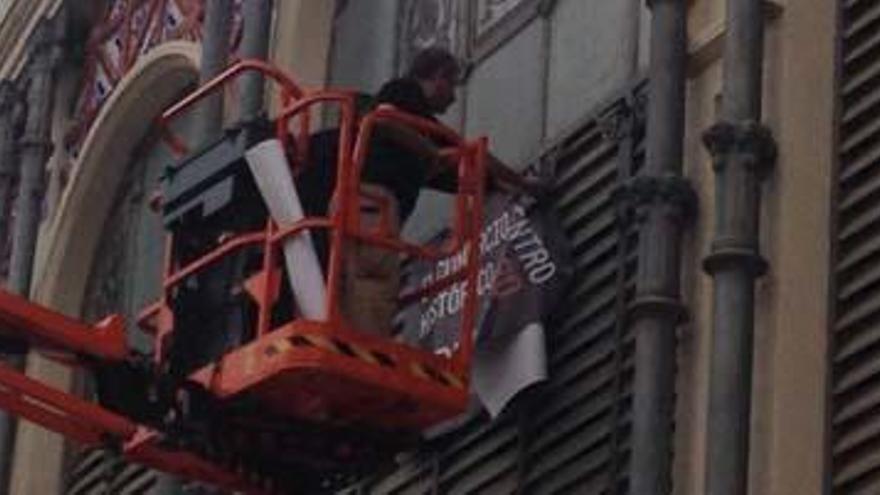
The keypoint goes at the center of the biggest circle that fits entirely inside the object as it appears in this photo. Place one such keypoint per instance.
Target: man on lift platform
(229, 395)
(400, 163)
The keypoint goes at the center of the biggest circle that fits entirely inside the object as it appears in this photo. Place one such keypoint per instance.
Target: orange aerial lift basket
(241, 388)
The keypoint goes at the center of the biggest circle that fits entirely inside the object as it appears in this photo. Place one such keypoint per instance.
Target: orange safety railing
(467, 158)
(289, 91)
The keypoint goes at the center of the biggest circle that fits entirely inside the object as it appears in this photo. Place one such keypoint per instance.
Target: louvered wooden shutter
(855, 329)
(571, 438)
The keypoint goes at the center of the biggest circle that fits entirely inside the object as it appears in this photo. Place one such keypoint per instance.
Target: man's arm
(500, 176)
(410, 139)
(503, 177)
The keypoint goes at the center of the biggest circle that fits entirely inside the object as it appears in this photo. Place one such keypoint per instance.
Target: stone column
(254, 44)
(9, 110)
(215, 55)
(35, 148)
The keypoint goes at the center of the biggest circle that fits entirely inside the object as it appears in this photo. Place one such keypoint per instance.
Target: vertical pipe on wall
(743, 151)
(207, 120)
(255, 44)
(215, 54)
(743, 61)
(662, 201)
(633, 38)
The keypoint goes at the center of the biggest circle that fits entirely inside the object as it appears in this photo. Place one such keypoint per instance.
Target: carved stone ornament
(127, 30)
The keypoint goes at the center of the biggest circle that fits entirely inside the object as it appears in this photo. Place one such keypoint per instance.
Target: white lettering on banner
(528, 248)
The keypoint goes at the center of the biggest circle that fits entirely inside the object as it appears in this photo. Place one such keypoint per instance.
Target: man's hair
(430, 60)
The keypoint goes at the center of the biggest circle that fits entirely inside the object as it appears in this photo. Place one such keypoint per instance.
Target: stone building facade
(561, 84)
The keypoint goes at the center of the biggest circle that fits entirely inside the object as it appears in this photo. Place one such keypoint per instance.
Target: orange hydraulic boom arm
(84, 421)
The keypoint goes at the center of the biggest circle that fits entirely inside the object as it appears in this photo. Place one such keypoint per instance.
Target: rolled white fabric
(270, 169)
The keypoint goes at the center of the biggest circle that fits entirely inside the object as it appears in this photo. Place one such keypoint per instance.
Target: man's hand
(503, 177)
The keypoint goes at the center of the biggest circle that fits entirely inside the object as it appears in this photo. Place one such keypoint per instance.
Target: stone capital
(673, 194)
(750, 141)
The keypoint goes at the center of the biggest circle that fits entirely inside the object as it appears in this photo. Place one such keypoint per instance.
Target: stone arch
(73, 236)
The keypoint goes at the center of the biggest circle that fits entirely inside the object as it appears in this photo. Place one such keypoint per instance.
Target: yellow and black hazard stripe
(333, 345)
(426, 372)
(373, 357)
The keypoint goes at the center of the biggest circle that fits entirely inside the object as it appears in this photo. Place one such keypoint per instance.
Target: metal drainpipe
(257, 16)
(35, 148)
(662, 201)
(632, 42)
(215, 54)
(743, 151)
(207, 124)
